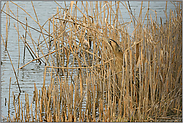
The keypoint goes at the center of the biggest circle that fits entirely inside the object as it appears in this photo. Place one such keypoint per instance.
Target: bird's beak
(109, 42)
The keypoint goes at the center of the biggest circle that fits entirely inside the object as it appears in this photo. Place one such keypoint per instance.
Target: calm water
(33, 73)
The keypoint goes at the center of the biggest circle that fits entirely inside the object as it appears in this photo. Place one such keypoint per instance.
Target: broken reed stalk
(27, 46)
(39, 58)
(28, 34)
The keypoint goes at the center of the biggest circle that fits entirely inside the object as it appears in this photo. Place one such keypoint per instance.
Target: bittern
(118, 61)
(117, 50)
(118, 54)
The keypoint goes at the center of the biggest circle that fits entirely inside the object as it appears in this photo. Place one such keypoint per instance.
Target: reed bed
(84, 84)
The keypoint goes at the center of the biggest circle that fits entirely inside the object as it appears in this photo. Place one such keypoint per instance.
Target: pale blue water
(33, 73)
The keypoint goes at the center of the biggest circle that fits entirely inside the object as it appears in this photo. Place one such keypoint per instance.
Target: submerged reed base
(85, 84)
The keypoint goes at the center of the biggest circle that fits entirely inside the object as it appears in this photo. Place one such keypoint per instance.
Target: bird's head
(115, 47)
(117, 51)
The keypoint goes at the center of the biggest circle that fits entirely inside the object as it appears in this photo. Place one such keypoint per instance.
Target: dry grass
(82, 68)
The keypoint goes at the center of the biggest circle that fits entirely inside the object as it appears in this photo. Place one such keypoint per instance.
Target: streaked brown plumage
(118, 62)
(117, 50)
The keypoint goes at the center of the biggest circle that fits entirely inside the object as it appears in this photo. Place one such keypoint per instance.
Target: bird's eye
(119, 50)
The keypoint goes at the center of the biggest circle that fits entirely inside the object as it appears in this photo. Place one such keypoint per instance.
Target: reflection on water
(33, 73)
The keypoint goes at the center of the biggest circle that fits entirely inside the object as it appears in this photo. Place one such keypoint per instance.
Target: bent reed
(88, 82)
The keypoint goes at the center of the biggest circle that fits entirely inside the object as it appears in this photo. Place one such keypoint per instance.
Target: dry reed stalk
(30, 17)
(7, 9)
(142, 96)
(24, 41)
(39, 58)
(22, 119)
(54, 103)
(26, 31)
(27, 107)
(24, 23)
(18, 41)
(32, 113)
(8, 119)
(41, 27)
(14, 106)
(40, 108)
(54, 40)
(27, 46)
(19, 109)
(36, 102)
